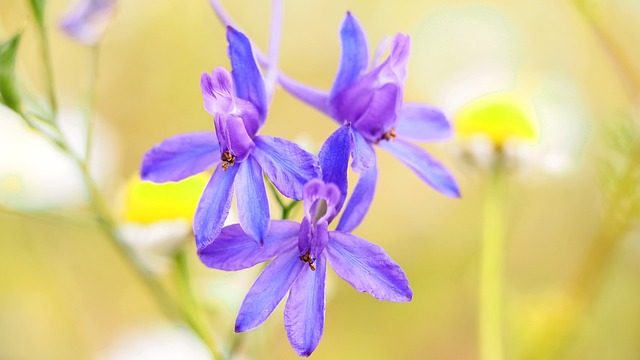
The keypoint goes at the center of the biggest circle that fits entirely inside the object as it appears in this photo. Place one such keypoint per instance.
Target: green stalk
(108, 225)
(491, 268)
(557, 335)
(48, 68)
(90, 93)
(286, 209)
(191, 307)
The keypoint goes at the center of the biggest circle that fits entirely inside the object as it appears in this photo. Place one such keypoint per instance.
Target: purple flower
(300, 252)
(87, 20)
(239, 106)
(370, 101)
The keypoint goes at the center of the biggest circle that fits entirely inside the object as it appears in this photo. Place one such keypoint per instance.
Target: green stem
(491, 268)
(286, 211)
(90, 92)
(556, 336)
(621, 63)
(191, 307)
(48, 69)
(107, 224)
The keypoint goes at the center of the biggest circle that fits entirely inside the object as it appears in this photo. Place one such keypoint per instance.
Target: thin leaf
(8, 86)
(37, 6)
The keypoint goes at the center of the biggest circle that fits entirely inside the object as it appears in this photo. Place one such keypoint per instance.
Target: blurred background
(66, 294)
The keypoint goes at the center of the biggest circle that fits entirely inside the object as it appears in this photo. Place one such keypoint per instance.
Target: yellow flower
(146, 202)
(500, 117)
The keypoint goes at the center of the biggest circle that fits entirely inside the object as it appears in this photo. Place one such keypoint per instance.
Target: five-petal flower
(239, 106)
(300, 252)
(370, 102)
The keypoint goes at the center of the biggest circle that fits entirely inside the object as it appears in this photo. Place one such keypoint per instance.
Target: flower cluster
(367, 104)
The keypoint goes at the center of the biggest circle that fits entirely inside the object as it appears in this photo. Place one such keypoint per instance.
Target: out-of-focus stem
(107, 224)
(191, 307)
(491, 267)
(628, 76)
(271, 77)
(48, 69)
(90, 93)
(556, 336)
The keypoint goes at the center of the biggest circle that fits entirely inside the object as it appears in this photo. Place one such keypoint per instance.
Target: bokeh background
(66, 294)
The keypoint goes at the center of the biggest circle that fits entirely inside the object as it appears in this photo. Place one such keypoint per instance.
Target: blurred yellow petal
(498, 116)
(146, 202)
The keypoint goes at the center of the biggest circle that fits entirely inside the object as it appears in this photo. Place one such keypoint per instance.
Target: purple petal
(422, 122)
(246, 75)
(399, 57)
(354, 58)
(360, 201)
(315, 98)
(251, 195)
(233, 136)
(427, 168)
(334, 161)
(313, 238)
(87, 20)
(180, 157)
(217, 91)
(214, 205)
(315, 190)
(305, 308)
(268, 290)
(286, 164)
(235, 250)
(381, 112)
(363, 154)
(367, 267)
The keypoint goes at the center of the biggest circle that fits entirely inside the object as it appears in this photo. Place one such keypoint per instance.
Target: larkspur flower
(300, 252)
(370, 104)
(87, 20)
(239, 106)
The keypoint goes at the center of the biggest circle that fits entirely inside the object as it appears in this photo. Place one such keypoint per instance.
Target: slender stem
(48, 69)
(286, 211)
(46, 216)
(276, 193)
(107, 224)
(90, 91)
(556, 336)
(491, 268)
(271, 77)
(191, 307)
(622, 64)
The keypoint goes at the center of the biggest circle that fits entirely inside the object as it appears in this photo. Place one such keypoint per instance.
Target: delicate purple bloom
(238, 104)
(300, 252)
(87, 20)
(369, 100)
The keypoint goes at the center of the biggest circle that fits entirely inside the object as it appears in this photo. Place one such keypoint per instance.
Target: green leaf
(8, 86)
(37, 6)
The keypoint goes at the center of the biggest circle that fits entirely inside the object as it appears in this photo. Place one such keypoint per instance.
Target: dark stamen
(307, 258)
(228, 159)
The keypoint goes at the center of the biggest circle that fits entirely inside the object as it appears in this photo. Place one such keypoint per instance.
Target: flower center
(318, 210)
(228, 159)
(307, 258)
(389, 135)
